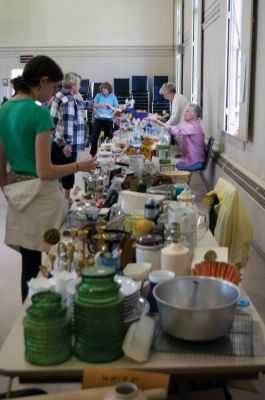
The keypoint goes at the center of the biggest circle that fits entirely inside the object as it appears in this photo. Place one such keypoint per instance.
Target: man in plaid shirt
(69, 125)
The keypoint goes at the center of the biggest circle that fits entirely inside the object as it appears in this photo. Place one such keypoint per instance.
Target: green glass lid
(46, 298)
(98, 271)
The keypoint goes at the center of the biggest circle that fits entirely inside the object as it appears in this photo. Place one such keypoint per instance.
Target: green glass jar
(99, 317)
(47, 330)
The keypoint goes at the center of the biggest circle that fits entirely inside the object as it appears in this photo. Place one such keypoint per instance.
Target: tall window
(238, 61)
(179, 44)
(235, 65)
(196, 51)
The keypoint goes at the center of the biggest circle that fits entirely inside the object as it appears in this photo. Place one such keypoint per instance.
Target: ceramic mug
(154, 277)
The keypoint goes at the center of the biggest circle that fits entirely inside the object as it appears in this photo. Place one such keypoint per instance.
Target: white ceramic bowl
(137, 271)
(131, 201)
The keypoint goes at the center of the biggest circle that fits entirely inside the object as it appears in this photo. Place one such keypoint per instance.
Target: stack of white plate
(62, 278)
(41, 284)
(70, 295)
(134, 305)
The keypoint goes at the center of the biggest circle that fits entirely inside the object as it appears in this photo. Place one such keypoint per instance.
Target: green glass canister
(47, 330)
(99, 316)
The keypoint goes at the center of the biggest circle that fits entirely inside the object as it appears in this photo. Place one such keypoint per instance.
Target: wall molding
(211, 14)
(92, 51)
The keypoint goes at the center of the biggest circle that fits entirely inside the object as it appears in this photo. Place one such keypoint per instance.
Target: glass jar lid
(46, 304)
(46, 299)
(149, 240)
(98, 272)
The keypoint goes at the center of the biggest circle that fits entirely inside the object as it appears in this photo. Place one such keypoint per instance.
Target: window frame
(242, 72)
(196, 52)
(178, 41)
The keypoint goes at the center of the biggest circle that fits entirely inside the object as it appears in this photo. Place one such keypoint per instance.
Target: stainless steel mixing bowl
(196, 308)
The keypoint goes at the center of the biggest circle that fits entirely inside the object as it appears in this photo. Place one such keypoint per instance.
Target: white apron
(34, 206)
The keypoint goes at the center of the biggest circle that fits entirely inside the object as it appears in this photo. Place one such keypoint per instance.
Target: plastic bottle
(176, 257)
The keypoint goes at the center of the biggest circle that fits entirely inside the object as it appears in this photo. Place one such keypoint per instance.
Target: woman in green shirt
(35, 200)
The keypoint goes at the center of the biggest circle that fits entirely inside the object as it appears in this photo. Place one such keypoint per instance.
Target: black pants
(58, 158)
(31, 261)
(100, 125)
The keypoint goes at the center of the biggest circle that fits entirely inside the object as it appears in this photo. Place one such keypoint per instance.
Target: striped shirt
(68, 120)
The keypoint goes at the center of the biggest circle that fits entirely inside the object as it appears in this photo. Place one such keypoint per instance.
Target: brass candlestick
(89, 261)
(100, 228)
(82, 234)
(44, 270)
(63, 261)
(70, 254)
(80, 265)
(52, 258)
(73, 233)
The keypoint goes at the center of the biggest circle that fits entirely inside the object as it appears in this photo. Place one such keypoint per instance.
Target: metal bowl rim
(192, 308)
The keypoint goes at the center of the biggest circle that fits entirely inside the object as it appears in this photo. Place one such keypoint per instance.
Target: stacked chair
(140, 92)
(121, 89)
(159, 104)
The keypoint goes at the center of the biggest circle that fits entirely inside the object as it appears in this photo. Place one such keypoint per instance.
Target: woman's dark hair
(37, 68)
(106, 85)
(16, 84)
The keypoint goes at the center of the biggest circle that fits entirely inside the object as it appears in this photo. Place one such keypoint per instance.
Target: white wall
(100, 40)
(85, 22)
(214, 67)
(248, 157)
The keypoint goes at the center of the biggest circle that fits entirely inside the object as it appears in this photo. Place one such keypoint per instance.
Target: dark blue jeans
(100, 125)
(194, 167)
(31, 261)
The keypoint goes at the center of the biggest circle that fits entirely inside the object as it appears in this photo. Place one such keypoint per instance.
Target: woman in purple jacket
(190, 136)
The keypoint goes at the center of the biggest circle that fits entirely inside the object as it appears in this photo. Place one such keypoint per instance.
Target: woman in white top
(179, 103)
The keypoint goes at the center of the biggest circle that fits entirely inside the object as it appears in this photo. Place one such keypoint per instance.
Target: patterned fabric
(12, 177)
(68, 120)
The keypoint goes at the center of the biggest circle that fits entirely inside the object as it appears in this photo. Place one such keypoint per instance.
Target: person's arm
(44, 167)
(153, 118)
(175, 130)
(3, 165)
(88, 104)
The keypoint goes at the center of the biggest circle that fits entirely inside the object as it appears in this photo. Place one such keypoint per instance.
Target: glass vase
(47, 330)
(99, 317)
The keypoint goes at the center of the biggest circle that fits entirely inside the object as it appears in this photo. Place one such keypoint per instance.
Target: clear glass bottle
(99, 316)
(47, 330)
(176, 256)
